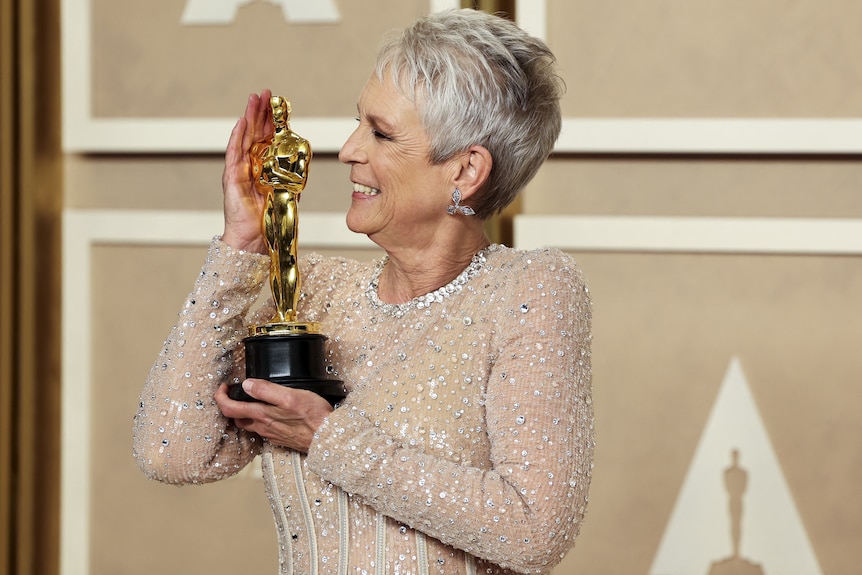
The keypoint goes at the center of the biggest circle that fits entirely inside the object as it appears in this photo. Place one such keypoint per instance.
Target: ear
(475, 168)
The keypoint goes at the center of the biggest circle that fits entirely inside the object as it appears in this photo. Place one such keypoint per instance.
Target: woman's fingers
(234, 150)
(285, 416)
(252, 112)
(257, 114)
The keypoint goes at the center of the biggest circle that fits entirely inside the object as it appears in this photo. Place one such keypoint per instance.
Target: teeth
(367, 190)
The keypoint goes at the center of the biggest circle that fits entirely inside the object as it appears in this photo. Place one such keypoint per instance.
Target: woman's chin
(356, 223)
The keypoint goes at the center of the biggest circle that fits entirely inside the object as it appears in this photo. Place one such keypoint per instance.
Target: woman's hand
(243, 205)
(285, 417)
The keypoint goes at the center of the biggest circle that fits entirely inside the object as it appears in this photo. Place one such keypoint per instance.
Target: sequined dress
(465, 444)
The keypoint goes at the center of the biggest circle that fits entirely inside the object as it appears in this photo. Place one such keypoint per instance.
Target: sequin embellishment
(436, 296)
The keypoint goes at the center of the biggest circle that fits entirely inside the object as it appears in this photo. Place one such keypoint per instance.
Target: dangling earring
(457, 207)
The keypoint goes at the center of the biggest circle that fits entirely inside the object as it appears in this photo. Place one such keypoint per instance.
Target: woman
(465, 442)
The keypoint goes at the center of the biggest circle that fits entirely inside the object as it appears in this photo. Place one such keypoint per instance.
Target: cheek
(395, 171)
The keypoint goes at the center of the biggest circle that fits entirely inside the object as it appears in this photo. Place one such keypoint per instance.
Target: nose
(351, 151)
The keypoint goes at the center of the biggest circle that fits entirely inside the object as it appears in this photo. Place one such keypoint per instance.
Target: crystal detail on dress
(501, 368)
(436, 296)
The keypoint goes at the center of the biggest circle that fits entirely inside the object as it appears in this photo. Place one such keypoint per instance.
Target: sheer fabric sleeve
(180, 436)
(525, 511)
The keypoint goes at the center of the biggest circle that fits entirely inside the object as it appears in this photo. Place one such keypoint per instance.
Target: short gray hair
(481, 81)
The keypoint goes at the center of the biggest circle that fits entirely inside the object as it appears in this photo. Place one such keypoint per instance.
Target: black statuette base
(292, 360)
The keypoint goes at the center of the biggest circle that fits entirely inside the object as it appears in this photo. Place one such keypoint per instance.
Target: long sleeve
(180, 436)
(523, 510)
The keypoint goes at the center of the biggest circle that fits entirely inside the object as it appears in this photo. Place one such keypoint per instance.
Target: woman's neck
(415, 272)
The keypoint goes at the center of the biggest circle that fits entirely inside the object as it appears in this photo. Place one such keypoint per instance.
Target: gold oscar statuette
(283, 350)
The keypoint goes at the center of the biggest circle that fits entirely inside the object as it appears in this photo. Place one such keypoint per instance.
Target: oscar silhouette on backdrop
(735, 482)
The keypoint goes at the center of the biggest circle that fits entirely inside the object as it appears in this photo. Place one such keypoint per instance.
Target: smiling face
(398, 195)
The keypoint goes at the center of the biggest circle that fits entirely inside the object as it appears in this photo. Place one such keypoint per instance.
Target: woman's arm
(180, 436)
(525, 511)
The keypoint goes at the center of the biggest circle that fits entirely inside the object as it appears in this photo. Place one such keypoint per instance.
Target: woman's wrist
(255, 245)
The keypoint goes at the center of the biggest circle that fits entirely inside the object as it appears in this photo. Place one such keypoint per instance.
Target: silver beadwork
(436, 296)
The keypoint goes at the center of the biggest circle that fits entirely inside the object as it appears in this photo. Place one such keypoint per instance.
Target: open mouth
(365, 190)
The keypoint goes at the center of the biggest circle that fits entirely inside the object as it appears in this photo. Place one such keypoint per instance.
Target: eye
(380, 135)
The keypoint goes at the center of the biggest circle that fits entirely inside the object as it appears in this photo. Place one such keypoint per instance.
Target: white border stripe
(285, 551)
(310, 530)
(438, 5)
(578, 135)
(75, 403)
(691, 234)
(380, 546)
(701, 135)
(532, 17)
(143, 135)
(421, 552)
(317, 229)
(344, 532)
(470, 563)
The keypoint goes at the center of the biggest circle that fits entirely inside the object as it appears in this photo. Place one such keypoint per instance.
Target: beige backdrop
(666, 325)
(146, 64)
(708, 58)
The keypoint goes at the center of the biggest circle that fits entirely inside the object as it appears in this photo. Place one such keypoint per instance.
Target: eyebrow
(377, 121)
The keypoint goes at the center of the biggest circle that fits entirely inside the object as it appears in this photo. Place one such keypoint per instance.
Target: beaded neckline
(436, 296)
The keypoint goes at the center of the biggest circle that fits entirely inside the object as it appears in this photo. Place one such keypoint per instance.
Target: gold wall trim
(30, 200)
(8, 287)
